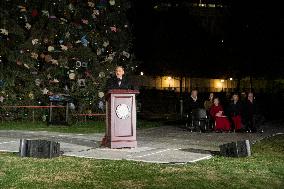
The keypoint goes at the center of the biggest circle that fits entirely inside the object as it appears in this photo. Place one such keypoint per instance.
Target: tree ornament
(91, 4)
(63, 47)
(106, 43)
(2, 99)
(18, 62)
(34, 55)
(45, 13)
(110, 57)
(112, 2)
(95, 13)
(84, 64)
(63, 20)
(101, 105)
(78, 64)
(71, 7)
(71, 106)
(34, 13)
(101, 94)
(2, 83)
(126, 54)
(113, 29)
(102, 74)
(27, 66)
(54, 81)
(66, 89)
(50, 48)
(31, 95)
(52, 17)
(44, 118)
(28, 26)
(84, 41)
(45, 91)
(4, 31)
(22, 8)
(71, 74)
(85, 21)
(35, 41)
(55, 62)
(42, 56)
(88, 73)
(99, 51)
(67, 35)
(81, 82)
(48, 58)
(45, 40)
(37, 82)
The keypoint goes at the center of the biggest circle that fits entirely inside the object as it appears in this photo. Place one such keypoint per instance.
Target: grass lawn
(79, 127)
(265, 169)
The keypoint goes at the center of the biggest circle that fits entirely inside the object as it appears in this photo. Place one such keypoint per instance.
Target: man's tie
(119, 82)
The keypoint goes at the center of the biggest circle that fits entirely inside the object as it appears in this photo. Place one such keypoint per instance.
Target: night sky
(239, 39)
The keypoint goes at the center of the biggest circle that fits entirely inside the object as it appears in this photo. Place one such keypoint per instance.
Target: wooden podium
(120, 119)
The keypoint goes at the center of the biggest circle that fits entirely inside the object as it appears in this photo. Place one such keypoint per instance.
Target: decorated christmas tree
(61, 47)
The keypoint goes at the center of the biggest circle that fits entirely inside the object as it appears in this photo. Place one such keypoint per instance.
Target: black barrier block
(236, 149)
(39, 148)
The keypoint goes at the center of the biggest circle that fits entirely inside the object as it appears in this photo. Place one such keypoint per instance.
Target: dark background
(242, 38)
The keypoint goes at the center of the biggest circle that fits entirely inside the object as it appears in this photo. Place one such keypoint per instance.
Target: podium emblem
(122, 111)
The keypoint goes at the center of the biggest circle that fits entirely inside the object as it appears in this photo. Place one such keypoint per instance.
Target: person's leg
(237, 122)
(227, 125)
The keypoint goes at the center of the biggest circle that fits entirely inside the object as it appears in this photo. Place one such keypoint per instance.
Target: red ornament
(34, 13)
(88, 73)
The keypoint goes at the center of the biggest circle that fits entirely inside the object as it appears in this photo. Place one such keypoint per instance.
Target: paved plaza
(166, 144)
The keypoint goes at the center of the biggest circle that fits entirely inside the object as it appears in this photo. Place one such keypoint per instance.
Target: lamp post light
(231, 79)
(222, 83)
(141, 73)
(169, 79)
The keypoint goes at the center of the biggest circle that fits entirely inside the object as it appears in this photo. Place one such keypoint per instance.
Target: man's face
(250, 96)
(119, 72)
(235, 97)
(194, 93)
(216, 101)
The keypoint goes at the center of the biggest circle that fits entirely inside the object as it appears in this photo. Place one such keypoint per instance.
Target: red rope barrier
(90, 114)
(32, 107)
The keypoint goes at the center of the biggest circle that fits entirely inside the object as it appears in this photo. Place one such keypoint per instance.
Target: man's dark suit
(116, 83)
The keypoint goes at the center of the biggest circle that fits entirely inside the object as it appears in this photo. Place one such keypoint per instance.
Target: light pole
(222, 83)
(169, 80)
(231, 79)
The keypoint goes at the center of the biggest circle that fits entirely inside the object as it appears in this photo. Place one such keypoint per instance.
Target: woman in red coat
(221, 121)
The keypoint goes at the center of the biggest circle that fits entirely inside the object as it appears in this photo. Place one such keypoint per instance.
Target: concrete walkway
(166, 144)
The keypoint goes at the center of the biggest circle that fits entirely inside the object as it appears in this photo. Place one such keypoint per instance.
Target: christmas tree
(61, 46)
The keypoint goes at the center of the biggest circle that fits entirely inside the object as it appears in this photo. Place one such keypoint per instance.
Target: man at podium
(119, 81)
(120, 112)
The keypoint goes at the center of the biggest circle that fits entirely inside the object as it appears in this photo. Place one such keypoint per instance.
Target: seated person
(235, 112)
(119, 81)
(194, 102)
(207, 105)
(221, 121)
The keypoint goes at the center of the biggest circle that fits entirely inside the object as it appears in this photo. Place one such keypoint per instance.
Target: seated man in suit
(194, 102)
(119, 81)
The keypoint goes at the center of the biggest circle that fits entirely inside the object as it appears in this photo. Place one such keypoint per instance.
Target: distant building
(207, 84)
